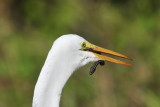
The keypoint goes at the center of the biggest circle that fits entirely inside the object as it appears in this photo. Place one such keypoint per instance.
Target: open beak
(98, 50)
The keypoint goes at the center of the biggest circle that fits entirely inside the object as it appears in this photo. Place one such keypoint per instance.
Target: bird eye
(83, 44)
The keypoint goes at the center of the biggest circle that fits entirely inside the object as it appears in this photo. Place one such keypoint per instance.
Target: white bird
(68, 53)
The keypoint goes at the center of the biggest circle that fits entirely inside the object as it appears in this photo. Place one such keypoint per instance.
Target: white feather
(63, 59)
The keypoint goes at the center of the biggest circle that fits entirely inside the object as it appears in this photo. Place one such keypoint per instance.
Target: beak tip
(129, 58)
(126, 64)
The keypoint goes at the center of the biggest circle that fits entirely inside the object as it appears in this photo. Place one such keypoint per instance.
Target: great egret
(68, 53)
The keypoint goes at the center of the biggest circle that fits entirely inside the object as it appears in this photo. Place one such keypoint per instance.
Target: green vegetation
(131, 27)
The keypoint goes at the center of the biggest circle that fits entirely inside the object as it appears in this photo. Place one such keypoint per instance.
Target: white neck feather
(51, 82)
(63, 59)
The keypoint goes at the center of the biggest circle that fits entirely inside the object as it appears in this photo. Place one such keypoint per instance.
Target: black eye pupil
(84, 45)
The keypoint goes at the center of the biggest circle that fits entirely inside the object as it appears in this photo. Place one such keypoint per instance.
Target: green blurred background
(131, 27)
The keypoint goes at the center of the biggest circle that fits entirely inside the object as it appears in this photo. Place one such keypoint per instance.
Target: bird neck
(51, 81)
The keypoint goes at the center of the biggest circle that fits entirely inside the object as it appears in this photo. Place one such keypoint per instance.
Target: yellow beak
(97, 50)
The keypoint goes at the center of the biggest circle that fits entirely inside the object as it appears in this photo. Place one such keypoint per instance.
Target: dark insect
(93, 68)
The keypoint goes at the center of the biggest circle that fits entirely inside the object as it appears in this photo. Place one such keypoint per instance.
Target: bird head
(76, 49)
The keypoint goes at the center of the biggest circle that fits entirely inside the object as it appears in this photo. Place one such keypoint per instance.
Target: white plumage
(66, 55)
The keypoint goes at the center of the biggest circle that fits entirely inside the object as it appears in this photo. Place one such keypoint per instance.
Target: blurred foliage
(29, 27)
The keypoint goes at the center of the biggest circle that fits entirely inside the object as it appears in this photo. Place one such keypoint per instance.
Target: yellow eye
(83, 44)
